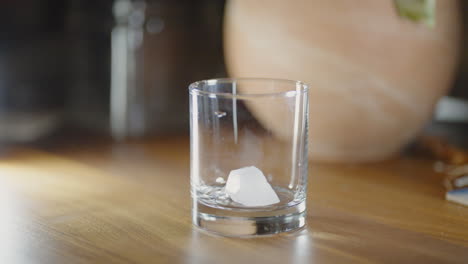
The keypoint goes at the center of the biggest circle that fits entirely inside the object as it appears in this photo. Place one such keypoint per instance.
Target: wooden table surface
(130, 203)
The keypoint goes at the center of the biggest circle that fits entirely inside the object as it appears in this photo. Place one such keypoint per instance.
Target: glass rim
(195, 87)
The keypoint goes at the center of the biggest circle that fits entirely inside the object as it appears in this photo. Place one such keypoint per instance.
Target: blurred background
(121, 67)
(118, 68)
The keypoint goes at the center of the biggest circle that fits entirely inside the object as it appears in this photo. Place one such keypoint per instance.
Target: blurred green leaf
(417, 10)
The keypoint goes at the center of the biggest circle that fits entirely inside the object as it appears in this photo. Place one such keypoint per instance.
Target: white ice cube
(248, 186)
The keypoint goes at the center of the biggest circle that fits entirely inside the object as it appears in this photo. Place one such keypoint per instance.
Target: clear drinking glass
(239, 123)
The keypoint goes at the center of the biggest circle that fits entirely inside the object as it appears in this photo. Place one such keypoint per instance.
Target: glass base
(248, 223)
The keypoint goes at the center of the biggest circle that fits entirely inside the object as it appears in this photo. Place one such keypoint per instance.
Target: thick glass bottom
(249, 223)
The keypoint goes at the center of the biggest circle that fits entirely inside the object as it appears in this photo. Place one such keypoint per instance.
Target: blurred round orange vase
(374, 76)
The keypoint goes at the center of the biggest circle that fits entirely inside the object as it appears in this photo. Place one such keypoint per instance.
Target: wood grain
(130, 203)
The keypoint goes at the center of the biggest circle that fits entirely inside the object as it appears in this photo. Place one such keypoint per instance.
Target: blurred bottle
(158, 48)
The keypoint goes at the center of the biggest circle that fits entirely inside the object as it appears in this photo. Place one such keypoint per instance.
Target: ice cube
(248, 186)
(220, 180)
